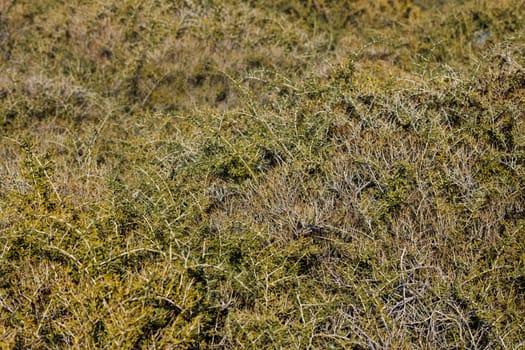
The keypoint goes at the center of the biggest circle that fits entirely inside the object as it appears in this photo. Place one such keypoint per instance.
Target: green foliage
(272, 174)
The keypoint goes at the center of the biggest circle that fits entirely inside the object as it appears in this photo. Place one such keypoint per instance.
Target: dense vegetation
(295, 174)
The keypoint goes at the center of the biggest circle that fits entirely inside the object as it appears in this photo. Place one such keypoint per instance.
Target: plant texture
(217, 174)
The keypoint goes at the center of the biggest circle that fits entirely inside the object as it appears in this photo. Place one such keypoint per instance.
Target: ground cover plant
(218, 174)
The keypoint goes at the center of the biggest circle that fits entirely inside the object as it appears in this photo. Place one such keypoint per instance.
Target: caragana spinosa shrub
(262, 174)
